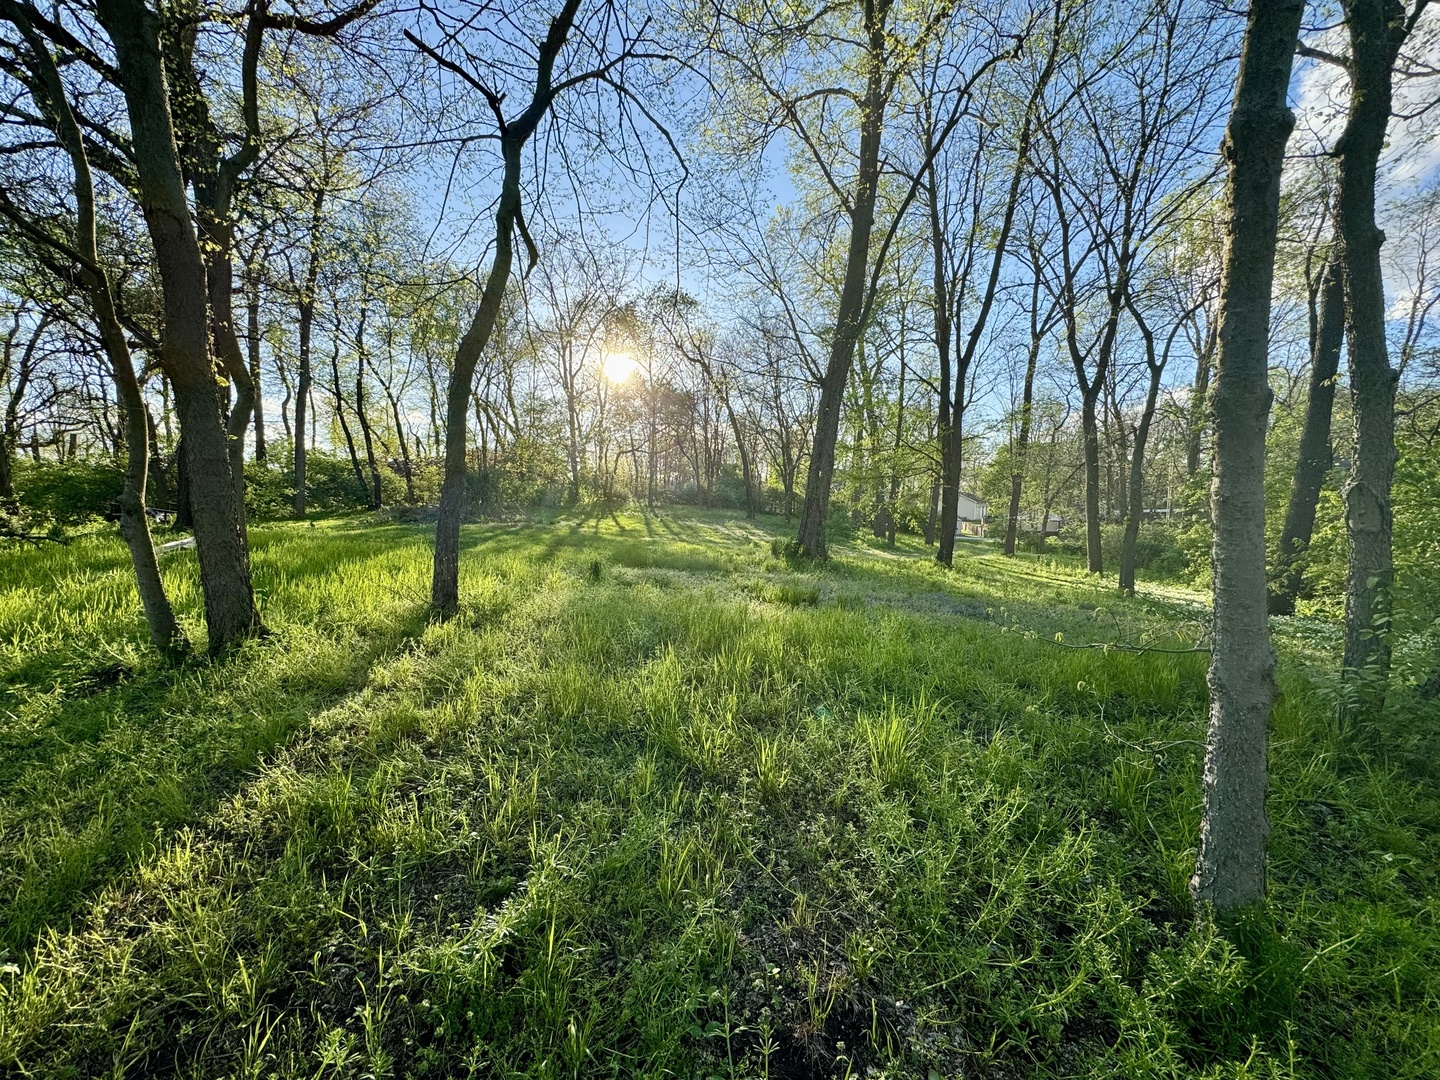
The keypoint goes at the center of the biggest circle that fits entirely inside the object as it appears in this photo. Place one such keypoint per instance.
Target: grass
(658, 803)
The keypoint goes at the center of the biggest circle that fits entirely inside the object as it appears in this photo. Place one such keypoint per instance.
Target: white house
(971, 514)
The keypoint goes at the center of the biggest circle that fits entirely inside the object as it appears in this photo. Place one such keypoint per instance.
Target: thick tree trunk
(217, 240)
(815, 512)
(1377, 30)
(1315, 451)
(230, 613)
(165, 632)
(1230, 868)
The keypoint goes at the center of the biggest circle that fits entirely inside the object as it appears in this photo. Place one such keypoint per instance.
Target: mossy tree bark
(1230, 868)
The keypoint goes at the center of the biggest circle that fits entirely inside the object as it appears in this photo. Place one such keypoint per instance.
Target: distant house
(971, 514)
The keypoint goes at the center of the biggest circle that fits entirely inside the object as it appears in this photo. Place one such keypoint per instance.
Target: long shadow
(131, 803)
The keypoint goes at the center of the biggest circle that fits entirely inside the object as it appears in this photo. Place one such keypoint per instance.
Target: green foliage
(1158, 549)
(330, 484)
(68, 492)
(637, 811)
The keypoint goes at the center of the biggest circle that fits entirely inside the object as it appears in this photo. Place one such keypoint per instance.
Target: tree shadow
(117, 769)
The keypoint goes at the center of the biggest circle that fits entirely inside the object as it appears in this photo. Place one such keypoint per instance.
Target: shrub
(1157, 548)
(69, 492)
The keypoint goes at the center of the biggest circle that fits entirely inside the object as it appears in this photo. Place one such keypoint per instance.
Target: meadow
(661, 802)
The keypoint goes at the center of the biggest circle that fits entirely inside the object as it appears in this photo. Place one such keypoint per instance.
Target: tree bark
(1230, 868)
(165, 632)
(815, 511)
(1315, 450)
(230, 613)
(1377, 30)
(305, 376)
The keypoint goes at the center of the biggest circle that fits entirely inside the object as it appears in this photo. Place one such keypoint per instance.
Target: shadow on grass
(111, 774)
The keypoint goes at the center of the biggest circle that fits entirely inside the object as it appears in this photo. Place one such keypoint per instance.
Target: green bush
(330, 484)
(1158, 550)
(69, 492)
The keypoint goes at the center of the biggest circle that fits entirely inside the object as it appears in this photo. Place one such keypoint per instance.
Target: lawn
(660, 803)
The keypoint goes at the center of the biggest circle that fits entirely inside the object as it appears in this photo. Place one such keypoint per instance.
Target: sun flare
(618, 366)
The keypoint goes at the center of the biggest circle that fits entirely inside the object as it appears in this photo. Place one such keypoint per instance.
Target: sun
(617, 366)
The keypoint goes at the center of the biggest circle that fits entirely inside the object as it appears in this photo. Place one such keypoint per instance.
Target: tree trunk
(1315, 451)
(165, 632)
(376, 497)
(1094, 558)
(815, 512)
(305, 377)
(230, 613)
(1199, 404)
(445, 581)
(1377, 30)
(252, 339)
(1230, 868)
(1022, 442)
(1135, 499)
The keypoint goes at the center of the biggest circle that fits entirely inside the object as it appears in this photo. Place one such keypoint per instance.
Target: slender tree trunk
(1230, 868)
(305, 376)
(445, 582)
(252, 340)
(1090, 434)
(815, 512)
(230, 613)
(1135, 498)
(1199, 404)
(1315, 451)
(1377, 30)
(360, 414)
(1022, 441)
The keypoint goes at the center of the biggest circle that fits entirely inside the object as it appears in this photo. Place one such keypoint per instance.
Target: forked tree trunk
(1315, 453)
(306, 375)
(230, 613)
(1230, 868)
(1377, 30)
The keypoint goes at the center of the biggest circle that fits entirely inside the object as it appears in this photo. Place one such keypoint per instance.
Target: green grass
(657, 803)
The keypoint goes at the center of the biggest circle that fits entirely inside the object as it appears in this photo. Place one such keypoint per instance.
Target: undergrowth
(661, 802)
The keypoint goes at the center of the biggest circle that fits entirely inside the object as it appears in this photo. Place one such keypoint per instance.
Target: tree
(1377, 30)
(230, 612)
(95, 279)
(512, 133)
(1230, 866)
